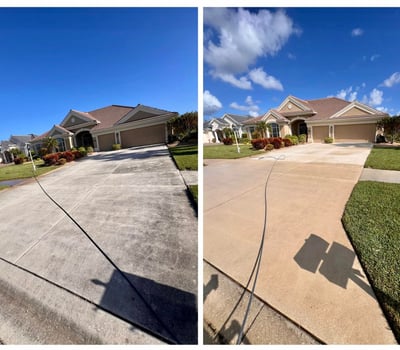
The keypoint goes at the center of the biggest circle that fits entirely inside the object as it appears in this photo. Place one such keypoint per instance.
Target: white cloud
(258, 76)
(251, 107)
(348, 94)
(392, 80)
(291, 56)
(374, 57)
(210, 103)
(357, 32)
(382, 109)
(375, 98)
(243, 37)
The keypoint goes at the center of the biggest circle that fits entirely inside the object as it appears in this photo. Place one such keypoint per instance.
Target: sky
(254, 58)
(56, 59)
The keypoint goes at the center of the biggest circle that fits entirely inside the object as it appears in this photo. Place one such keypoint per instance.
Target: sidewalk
(391, 176)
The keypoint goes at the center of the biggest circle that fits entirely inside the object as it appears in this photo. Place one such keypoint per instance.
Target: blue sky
(56, 59)
(255, 58)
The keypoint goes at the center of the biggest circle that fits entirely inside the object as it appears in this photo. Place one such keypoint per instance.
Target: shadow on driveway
(160, 308)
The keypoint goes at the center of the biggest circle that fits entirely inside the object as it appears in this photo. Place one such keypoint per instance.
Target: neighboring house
(327, 117)
(15, 142)
(213, 129)
(101, 128)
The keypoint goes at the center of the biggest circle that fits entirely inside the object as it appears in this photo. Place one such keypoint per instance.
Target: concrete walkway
(56, 287)
(309, 271)
(391, 176)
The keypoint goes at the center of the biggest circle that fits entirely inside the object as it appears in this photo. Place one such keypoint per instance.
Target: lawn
(372, 221)
(387, 158)
(194, 191)
(23, 171)
(229, 152)
(185, 157)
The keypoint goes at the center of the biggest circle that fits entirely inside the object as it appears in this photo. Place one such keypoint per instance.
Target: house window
(274, 130)
(61, 144)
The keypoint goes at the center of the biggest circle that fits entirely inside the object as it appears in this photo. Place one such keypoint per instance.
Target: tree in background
(184, 126)
(391, 127)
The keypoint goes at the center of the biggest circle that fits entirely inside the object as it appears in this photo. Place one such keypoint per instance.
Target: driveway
(309, 271)
(134, 205)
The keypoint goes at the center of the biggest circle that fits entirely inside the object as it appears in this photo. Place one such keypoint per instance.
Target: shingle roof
(253, 120)
(108, 116)
(326, 107)
(238, 118)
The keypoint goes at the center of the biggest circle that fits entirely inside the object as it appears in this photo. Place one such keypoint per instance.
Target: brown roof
(108, 116)
(252, 120)
(327, 107)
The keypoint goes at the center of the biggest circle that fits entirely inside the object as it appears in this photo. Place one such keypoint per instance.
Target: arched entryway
(299, 127)
(84, 139)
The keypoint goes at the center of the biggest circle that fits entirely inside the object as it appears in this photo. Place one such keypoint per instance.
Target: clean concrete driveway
(134, 205)
(309, 271)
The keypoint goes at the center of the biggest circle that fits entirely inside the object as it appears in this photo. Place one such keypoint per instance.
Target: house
(213, 129)
(326, 117)
(14, 142)
(103, 127)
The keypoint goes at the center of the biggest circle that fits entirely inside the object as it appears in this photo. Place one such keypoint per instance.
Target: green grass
(372, 221)
(185, 157)
(194, 191)
(23, 171)
(3, 187)
(229, 152)
(384, 158)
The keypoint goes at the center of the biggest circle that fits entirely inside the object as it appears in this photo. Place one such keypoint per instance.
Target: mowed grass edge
(372, 221)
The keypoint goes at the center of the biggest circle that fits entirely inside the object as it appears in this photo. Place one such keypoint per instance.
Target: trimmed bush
(303, 138)
(61, 161)
(89, 149)
(76, 154)
(244, 135)
(116, 146)
(244, 140)
(259, 143)
(328, 140)
(276, 142)
(68, 156)
(287, 142)
(227, 141)
(293, 138)
(269, 147)
(50, 159)
(19, 160)
(82, 151)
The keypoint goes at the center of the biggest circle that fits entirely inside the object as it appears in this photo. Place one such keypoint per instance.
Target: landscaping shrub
(50, 159)
(276, 141)
(259, 143)
(227, 141)
(89, 149)
(68, 156)
(269, 147)
(287, 142)
(255, 135)
(303, 138)
(116, 146)
(76, 154)
(82, 151)
(244, 140)
(19, 160)
(293, 139)
(328, 140)
(61, 161)
(244, 135)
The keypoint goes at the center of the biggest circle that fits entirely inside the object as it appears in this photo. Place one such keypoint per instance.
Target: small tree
(391, 126)
(262, 128)
(228, 132)
(51, 144)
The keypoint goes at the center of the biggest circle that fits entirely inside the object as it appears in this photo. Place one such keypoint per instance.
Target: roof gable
(356, 109)
(141, 112)
(58, 130)
(76, 118)
(292, 104)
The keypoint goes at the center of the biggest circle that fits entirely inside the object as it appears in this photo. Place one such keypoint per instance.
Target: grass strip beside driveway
(185, 157)
(372, 221)
(23, 171)
(387, 158)
(194, 189)
(229, 152)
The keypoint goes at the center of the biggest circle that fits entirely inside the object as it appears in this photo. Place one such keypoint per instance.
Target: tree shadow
(158, 308)
(337, 262)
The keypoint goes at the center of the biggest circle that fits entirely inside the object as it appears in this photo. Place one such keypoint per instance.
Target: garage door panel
(106, 142)
(357, 132)
(143, 136)
(319, 133)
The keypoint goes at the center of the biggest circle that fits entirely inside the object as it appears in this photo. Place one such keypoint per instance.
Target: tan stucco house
(326, 117)
(103, 127)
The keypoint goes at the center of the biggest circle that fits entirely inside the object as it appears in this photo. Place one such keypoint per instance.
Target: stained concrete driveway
(133, 204)
(309, 271)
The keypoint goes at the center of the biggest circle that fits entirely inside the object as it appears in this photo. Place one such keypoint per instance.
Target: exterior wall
(354, 111)
(356, 132)
(319, 133)
(294, 108)
(143, 136)
(106, 141)
(285, 130)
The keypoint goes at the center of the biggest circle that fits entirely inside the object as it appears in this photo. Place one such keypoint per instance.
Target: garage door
(319, 133)
(106, 142)
(143, 136)
(358, 132)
